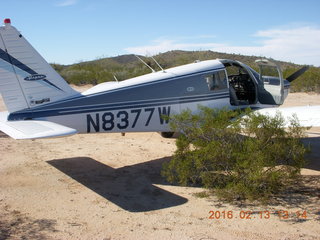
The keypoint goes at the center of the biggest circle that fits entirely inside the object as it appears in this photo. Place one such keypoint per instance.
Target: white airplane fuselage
(139, 104)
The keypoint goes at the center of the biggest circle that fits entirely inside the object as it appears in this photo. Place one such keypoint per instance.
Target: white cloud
(298, 45)
(66, 3)
(295, 44)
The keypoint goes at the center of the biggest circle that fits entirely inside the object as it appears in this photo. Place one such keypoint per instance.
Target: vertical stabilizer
(26, 79)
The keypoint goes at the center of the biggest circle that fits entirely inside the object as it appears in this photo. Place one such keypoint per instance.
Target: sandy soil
(109, 187)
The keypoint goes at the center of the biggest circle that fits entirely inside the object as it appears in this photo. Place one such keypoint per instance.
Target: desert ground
(108, 186)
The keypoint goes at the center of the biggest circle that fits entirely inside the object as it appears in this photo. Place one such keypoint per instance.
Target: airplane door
(271, 83)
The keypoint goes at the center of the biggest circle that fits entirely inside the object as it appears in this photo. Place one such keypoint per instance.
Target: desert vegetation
(238, 158)
(128, 66)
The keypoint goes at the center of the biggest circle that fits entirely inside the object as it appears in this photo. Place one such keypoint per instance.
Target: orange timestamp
(265, 214)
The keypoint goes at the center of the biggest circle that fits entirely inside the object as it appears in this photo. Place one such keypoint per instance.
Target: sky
(71, 31)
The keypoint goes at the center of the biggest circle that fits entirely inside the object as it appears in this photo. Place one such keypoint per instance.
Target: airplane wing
(308, 116)
(31, 129)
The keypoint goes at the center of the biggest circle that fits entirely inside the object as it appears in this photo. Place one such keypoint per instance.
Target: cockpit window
(217, 80)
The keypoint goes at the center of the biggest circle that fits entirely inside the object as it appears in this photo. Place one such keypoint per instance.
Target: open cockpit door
(271, 83)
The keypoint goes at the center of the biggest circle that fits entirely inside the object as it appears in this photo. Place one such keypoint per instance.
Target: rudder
(26, 79)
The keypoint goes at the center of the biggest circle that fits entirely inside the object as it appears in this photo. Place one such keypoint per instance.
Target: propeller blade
(297, 74)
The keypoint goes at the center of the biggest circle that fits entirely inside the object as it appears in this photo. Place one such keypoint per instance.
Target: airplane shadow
(313, 157)
(132, 187)
(129, 187)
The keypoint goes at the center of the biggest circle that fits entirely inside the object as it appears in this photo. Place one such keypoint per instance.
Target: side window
(217, 80)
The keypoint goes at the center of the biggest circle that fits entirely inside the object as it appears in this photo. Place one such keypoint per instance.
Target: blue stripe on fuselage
(129, 103)
(116, 106)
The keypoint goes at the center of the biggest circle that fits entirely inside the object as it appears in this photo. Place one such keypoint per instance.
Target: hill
(128, 66)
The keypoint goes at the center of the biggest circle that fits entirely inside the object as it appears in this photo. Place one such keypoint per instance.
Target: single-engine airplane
(40, 103)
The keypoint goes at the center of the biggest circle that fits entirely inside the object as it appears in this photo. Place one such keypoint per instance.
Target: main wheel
(167, 134)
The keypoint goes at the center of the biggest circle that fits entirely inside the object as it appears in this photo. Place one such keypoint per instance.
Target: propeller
(297, 74)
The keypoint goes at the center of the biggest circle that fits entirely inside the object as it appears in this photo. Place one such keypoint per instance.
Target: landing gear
(167, 134)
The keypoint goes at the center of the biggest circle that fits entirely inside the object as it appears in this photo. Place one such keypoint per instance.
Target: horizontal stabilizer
(31, 129)
(308, 116)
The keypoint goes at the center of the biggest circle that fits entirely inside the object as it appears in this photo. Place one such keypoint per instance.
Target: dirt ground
(106, 186)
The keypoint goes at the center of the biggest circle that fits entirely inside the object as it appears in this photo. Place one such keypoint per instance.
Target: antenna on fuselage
(145, 64)
(158, 64)
(115, 78)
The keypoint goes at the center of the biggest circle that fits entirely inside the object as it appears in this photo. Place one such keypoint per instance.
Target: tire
(167, 134)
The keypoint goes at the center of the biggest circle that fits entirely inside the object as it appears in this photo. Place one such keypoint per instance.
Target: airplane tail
(26, 79)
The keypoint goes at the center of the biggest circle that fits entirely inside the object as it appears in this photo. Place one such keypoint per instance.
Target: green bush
(251, 157)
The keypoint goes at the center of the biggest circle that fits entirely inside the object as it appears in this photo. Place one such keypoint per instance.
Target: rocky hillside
(128, 66)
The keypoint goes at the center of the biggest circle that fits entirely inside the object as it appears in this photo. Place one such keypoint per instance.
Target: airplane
(41, 104)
